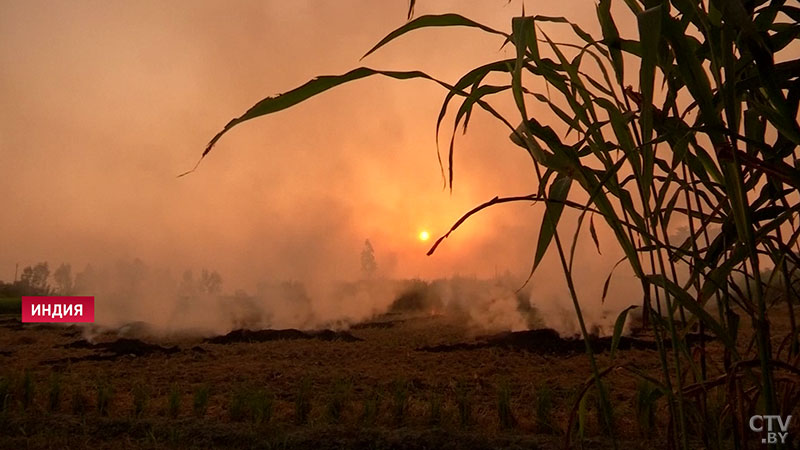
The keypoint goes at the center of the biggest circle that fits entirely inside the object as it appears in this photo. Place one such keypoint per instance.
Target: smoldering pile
(253, 336)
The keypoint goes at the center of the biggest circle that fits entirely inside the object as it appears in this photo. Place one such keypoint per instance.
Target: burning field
(412, 382)
(398, 380)
(611, 259)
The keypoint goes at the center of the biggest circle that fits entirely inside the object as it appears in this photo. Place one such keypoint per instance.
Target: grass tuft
(340, 395)
(505, 415)
(544, 409)
(261, 404)
(302, 402)
(238, 407)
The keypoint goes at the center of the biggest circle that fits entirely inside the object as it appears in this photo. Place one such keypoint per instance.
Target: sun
(424, 235)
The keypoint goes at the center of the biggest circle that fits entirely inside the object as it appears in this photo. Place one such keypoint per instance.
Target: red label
(58, 309)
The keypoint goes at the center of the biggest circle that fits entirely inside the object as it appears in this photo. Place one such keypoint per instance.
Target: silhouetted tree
(187, 286)
(85, 281)
(210, 282)
(63, 279)
(368, 264)
(34, 279)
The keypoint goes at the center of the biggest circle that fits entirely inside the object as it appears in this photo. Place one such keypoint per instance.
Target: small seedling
(464, 403)
(372, 405)
(435, 409)
(238, 407)
(400, 405)
(104, 395)
(338, 400)
(79, 401)
(28, 390)
(54, 396)
(140, 399)
(174, 401)
(606, 427)
(646, 401)
(5, 394)
(544, 409)
(200, 401)
(302, 402)
(261, 402)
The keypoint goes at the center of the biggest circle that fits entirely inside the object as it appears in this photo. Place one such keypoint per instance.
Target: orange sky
(106, 102)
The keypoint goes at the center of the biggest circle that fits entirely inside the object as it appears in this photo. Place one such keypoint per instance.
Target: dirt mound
(110, 351)
(278, 335)
(548, 342)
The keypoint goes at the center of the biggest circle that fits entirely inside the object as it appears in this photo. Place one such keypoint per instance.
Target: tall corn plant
(706, 135)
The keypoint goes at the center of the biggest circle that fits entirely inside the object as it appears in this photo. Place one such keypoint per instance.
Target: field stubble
(351, 388)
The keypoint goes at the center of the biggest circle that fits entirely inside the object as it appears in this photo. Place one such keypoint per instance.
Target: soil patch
(12, 324)
(110, 351)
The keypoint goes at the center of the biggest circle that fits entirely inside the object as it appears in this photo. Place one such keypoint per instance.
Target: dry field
(397, 382)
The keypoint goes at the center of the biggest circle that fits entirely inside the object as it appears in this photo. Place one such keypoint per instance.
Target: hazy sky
(105, 102)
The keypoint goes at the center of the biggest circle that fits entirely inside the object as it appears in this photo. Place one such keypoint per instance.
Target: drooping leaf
(443, 20)
(312, 88)
(608, 280)
(593, 232)
(619, 324)
(558, 192)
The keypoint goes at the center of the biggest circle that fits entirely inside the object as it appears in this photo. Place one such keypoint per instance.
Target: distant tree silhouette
(85, 281)
(210, 282)
(368, 264)
(187, 287)
(34, 279)
(63, 279)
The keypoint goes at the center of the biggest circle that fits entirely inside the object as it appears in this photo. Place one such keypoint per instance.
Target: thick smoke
(132, 297)
(283, 205)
